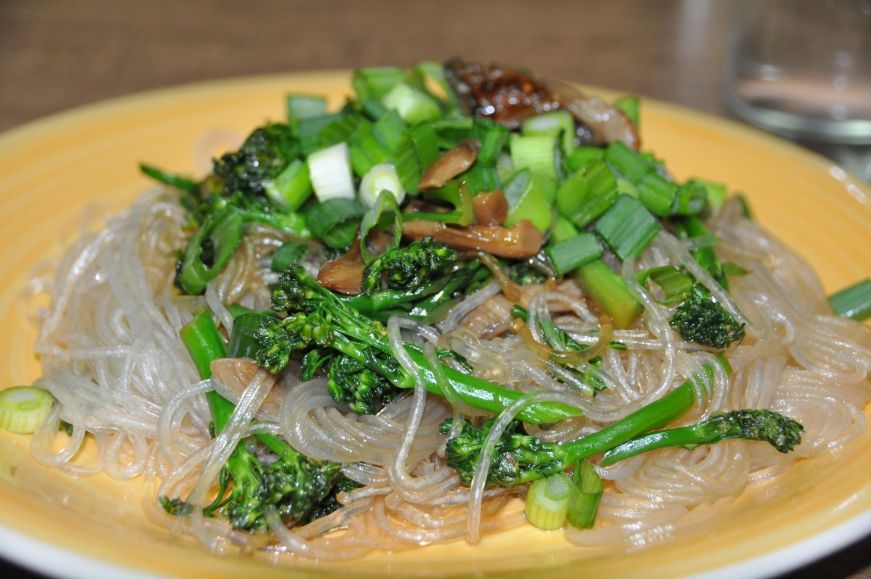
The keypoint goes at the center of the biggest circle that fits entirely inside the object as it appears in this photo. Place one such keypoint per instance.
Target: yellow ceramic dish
(51, 170)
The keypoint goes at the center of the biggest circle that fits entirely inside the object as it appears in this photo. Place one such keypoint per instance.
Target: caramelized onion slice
(522, 240)
(449, 164)
(237, 373)
(491, 208)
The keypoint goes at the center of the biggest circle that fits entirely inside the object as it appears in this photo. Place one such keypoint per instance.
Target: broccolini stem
(764, 425)
(654, 415)
(480, 393)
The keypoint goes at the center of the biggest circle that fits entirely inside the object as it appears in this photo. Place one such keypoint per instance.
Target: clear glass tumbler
(802, 68)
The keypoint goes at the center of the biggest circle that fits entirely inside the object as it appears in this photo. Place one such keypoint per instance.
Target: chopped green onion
(371, 108)
(290, 188)
(384, 214)
(341, 129)
(657, 194)
(23, 409)
(237, 310)
(853, 302)
(375, 82)
(584, 504)
(692, 199)
(504, 167)
(675, 284)
(530, 196)
(693, 227)
(630, 106)
(629, 163)
(492, 137)
(304, 106)
(455, 193)
(330, 171)
(407, 165)
(573, 252)
(716, 192)
(381, 178)
(366, 150)
(414, 106)
(609, 292)
(425, 141)
(335, 221)
(186, 184)
(536, 153)
(243, 343)
(627, 227)
(626, 187)
(587, 194)
(547, 501)
(388, 129)
(561, 229)
(560, 124)
(309, 131)
(203, 342)
(287, 255)
(583, 155)
(209, 250)
(482, 178)
(433, 73)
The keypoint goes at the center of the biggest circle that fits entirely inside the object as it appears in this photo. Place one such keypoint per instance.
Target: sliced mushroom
(522, 240)
(449, 164)
(606, 122)
(237, 373)
(491, 208)
(345, 273)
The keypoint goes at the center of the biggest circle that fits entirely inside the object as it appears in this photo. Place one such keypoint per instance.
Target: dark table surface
(59, 54)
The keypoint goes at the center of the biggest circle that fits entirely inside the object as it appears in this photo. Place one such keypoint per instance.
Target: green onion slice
(290, 188)
(330, 172)
(536, 153)
(335, 222)
(455, 193)
(23, 409)
(384, 214)
(584, 503)
(574, 252)
(674, 283)
(547, 501)
(530, 196)
(381, 178)
(287, 255)
(853, 302)
(627, 227)
(587, 194)
(304, 106)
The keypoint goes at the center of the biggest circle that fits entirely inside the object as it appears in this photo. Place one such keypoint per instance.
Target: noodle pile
(112, 357)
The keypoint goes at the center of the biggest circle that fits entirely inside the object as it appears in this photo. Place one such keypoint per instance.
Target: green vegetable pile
(393, 185)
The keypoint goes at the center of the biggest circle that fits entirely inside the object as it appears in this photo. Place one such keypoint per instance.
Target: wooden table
(55, 55)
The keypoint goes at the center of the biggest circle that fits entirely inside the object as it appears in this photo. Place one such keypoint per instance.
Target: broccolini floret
(312, 318)
(703, 320)
(409, 267)
(519, 458)
(263, 155)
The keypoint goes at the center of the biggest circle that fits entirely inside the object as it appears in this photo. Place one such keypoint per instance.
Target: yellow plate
(51, 170)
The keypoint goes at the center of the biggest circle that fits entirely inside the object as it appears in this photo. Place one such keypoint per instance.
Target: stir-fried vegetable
(413, 190)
